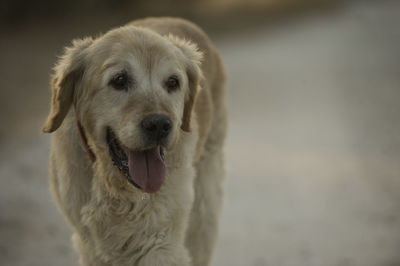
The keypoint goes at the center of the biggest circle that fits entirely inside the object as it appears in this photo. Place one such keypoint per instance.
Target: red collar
(92, 157)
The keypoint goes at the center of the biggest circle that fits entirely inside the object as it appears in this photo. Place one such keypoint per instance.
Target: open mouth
(145, 169)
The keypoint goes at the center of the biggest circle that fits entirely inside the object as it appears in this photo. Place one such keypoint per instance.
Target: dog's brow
(107, 65)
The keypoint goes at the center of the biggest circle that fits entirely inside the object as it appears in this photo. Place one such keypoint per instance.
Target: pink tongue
(147, 169)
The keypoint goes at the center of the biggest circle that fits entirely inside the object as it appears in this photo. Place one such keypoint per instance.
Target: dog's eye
(172, 83)
(120, 81)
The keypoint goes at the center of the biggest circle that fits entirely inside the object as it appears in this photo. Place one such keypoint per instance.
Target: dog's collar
(89, 151)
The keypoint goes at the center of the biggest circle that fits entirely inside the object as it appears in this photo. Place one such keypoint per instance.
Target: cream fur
(115, 223)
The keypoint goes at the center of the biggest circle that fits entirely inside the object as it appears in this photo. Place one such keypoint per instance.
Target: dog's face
(133, 91)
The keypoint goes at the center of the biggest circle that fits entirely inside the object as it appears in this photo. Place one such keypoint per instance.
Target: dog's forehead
(129, 41)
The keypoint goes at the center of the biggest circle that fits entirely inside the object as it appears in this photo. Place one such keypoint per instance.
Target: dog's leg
(203, 221)
(208, 189)
(164, 255)
(171, 256)
(86, 256)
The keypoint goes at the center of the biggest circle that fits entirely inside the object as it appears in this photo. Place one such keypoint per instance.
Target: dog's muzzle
(145, 169)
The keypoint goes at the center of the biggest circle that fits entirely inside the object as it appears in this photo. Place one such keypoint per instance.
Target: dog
(137, 161)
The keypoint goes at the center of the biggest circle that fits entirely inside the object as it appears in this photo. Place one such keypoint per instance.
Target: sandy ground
(313, 151)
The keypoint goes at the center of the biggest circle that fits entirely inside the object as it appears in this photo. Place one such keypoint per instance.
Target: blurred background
(313, 153)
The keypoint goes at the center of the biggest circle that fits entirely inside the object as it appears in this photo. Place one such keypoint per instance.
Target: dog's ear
(67, 73)
(193, 62)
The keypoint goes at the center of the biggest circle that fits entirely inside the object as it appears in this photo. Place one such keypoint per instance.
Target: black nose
(157, 127)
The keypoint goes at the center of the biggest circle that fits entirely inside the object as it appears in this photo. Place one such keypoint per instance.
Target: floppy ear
(193, 61)
(67, 73)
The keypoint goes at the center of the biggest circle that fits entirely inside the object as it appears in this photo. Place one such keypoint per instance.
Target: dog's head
(133, 91)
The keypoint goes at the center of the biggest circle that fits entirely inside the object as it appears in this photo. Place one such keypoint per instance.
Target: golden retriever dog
(136, 163)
